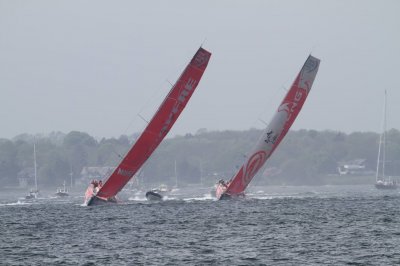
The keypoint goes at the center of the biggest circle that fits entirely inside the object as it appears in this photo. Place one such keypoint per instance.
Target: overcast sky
(93, 66)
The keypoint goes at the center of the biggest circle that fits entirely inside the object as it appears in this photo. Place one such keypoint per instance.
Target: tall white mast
(382, 140)
(34, 165)
(70, 175)
(176, 176)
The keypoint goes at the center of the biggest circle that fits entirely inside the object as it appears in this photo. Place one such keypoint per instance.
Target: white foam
(137, 198)
(205, 197)
(15, 203)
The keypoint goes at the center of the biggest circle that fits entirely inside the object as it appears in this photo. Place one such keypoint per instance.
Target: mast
(201, 173)
(382, 140)
(70, 175)
(176, 176)
(34, 165)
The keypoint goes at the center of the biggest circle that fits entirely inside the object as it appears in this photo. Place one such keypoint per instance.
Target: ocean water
(332, 225)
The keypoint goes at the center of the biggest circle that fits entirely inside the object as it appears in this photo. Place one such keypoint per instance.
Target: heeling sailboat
(153, 134)
(274, 133)
(381, 181)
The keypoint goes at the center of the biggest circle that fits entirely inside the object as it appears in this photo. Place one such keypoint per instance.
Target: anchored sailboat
(34, 193)
(381, 181)
(153, 134)
(274, 133)
(62, 192)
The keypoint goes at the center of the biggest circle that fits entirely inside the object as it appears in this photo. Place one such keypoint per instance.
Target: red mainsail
(275, 131)
(159, 125)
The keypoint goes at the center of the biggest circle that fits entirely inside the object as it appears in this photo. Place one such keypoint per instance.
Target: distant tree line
(302, 157)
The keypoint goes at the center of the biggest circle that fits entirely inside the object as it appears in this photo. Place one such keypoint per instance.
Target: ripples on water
(286, 226)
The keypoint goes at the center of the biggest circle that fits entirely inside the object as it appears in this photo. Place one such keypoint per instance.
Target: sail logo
(308, 73)
(290, 108)
(126, 173)
(270, 138)
(182, 98)
(255, 162)
(310, 65)
(201, 58)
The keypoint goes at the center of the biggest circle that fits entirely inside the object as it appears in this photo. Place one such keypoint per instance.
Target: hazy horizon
(93, 66)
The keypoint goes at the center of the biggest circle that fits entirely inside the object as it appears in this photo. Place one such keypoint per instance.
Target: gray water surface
(336, 225)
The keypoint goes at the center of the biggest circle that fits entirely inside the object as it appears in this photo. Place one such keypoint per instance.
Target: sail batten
(159, 125)
(275, 131)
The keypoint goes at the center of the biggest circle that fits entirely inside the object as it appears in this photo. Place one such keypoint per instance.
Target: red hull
(222, 194)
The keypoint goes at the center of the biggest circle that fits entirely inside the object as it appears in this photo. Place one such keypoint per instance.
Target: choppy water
(342, 225)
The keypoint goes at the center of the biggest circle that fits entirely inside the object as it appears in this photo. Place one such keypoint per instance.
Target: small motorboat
(154, 195)
(157, 194)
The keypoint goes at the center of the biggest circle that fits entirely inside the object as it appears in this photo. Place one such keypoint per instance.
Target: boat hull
(91, 199)
(62, 194)
(386, 186)
(34, 194)
(221, 193)
(153, 196)
(95, 201)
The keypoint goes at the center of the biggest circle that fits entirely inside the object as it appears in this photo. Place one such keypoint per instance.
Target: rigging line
(143, 118)
(205, 39)
(274, 95)
(146, 104)
(116, 153)
(312, 49)
(262, 121)
(271, 103)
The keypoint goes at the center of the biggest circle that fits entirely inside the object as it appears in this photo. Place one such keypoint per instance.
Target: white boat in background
(383, 182)
(34, 192)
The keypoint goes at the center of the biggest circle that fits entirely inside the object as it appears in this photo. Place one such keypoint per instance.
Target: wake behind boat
(153, 134)
(274, 133)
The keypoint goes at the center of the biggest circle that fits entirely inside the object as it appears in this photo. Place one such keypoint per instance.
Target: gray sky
(93, 65)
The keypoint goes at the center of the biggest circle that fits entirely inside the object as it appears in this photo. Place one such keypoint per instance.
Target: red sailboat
(153, 134)
(274, 133)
